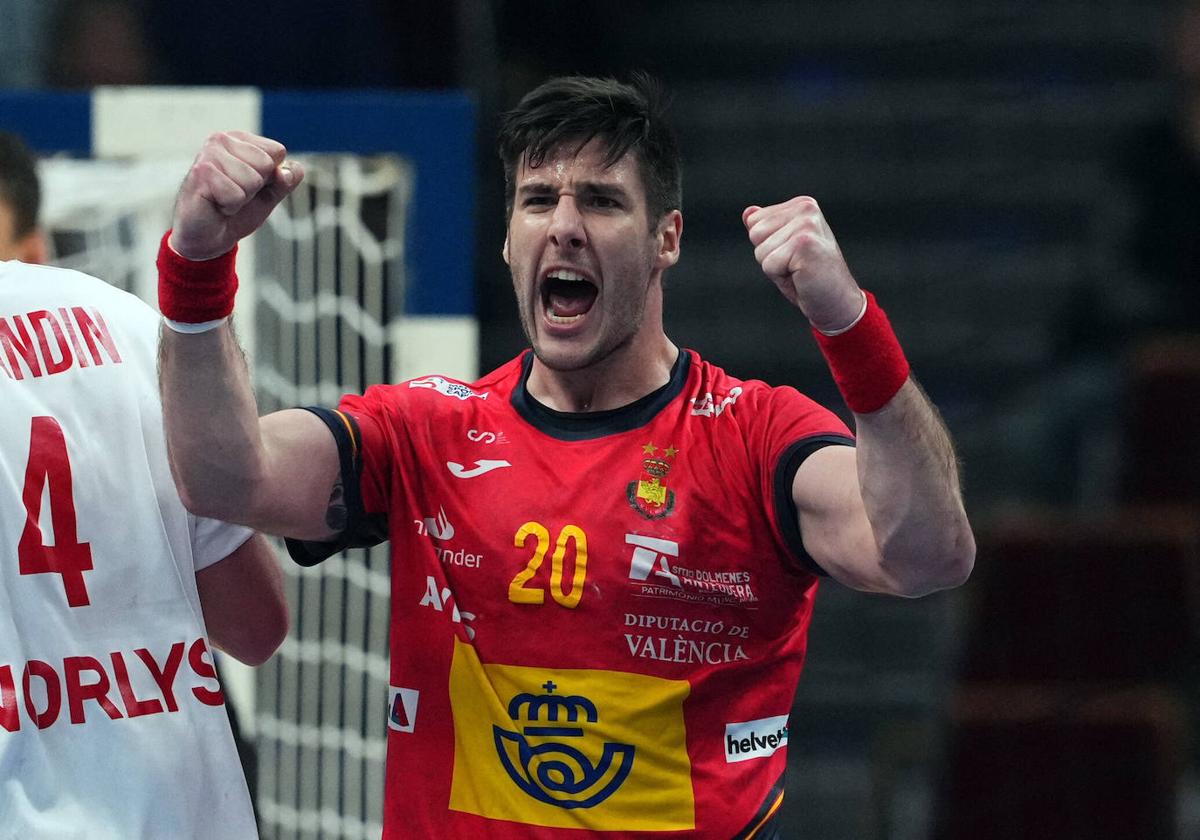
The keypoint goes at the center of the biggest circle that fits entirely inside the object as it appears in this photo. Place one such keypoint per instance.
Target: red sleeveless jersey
(598, 620)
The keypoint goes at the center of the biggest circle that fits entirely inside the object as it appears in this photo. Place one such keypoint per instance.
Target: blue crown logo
(551, 770)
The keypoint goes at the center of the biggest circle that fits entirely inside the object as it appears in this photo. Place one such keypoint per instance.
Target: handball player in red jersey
(605, 552)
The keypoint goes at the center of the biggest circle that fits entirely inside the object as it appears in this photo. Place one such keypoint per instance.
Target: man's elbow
(227, 499)
(270, 629)
(944, 567)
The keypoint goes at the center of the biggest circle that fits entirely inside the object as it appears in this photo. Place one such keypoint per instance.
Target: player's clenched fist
(234, 183)
(797, 250)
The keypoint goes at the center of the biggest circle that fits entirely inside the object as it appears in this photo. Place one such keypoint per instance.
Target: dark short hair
(625, 117)
(19, 187)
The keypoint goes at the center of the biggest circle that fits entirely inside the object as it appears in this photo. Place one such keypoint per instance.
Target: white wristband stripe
(193, 329)
(852, 324)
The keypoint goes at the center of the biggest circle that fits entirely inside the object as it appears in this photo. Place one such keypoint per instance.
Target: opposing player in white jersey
(112, 725)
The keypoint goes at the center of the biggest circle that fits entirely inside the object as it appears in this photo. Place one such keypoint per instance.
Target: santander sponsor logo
(80, 689)
(439, 527)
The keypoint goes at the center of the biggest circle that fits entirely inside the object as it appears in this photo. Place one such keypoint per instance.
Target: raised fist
(234, 183)
(797, 250)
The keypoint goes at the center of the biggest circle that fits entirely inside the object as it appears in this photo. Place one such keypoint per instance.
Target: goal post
(363, 275)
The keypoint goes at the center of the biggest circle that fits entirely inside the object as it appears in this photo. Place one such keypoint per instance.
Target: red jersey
(598, 620)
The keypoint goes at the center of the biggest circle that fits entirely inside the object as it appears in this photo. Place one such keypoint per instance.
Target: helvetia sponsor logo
(402, 708)
(755, 738)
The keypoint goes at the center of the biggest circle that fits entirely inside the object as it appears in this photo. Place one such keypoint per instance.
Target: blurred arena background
(1018, 180)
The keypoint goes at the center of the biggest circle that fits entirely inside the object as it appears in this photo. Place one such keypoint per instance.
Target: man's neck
(622, 377)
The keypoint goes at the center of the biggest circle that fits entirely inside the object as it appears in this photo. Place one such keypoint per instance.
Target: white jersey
(112, 722)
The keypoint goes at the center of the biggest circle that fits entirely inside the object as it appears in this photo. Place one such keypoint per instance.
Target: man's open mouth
(567, 296)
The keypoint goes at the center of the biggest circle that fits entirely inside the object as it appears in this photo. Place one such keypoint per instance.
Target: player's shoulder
(20, 280)
(439, 393)
(495, 386)
(48, 285)
(713, 392)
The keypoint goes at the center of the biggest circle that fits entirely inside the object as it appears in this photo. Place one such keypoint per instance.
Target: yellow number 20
(520, 593)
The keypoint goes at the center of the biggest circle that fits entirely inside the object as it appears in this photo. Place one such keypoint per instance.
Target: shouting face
(586, 259)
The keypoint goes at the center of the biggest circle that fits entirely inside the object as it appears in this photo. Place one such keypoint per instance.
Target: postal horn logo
(649, 495)
(542, 753)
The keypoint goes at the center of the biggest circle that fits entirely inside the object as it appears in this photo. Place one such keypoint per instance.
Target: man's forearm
(908, 474)
(211, 422)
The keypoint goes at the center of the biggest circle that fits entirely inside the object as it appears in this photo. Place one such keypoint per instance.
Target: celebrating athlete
(112, 720)
(605, 552)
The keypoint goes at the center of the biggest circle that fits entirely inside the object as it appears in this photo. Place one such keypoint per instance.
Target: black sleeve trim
(362, 530)
(785, 506)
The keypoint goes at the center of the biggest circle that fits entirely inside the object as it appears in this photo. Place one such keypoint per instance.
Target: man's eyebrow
(591, 187)
(538, 187)
(603, 188)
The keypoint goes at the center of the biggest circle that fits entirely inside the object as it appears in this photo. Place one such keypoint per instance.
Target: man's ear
(504, 250)
(32, 248)
(670, 232)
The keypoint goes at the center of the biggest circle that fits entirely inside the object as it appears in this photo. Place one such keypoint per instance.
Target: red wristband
(195, 291)
(866, 361)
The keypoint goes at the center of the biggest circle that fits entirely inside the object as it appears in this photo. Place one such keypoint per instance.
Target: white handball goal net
(320, 311)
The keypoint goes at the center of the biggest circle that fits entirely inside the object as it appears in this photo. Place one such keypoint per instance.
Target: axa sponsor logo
(402, 708)
(708, 406)
(481, 467)
(540, 754)
(441, 529)
(442, 599)
(447, 388)
(755, 738)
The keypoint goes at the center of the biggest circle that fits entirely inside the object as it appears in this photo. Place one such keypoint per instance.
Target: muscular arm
(275, 474)
(243, 603)
(888, 516)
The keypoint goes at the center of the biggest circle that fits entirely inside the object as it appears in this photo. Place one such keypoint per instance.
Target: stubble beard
(606, 344)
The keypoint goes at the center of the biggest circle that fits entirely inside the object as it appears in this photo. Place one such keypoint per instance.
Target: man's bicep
(303, 485)
(833, 520)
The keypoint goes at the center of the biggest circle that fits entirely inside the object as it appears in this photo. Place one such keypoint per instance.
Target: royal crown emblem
(649, 495)
(546, 758)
